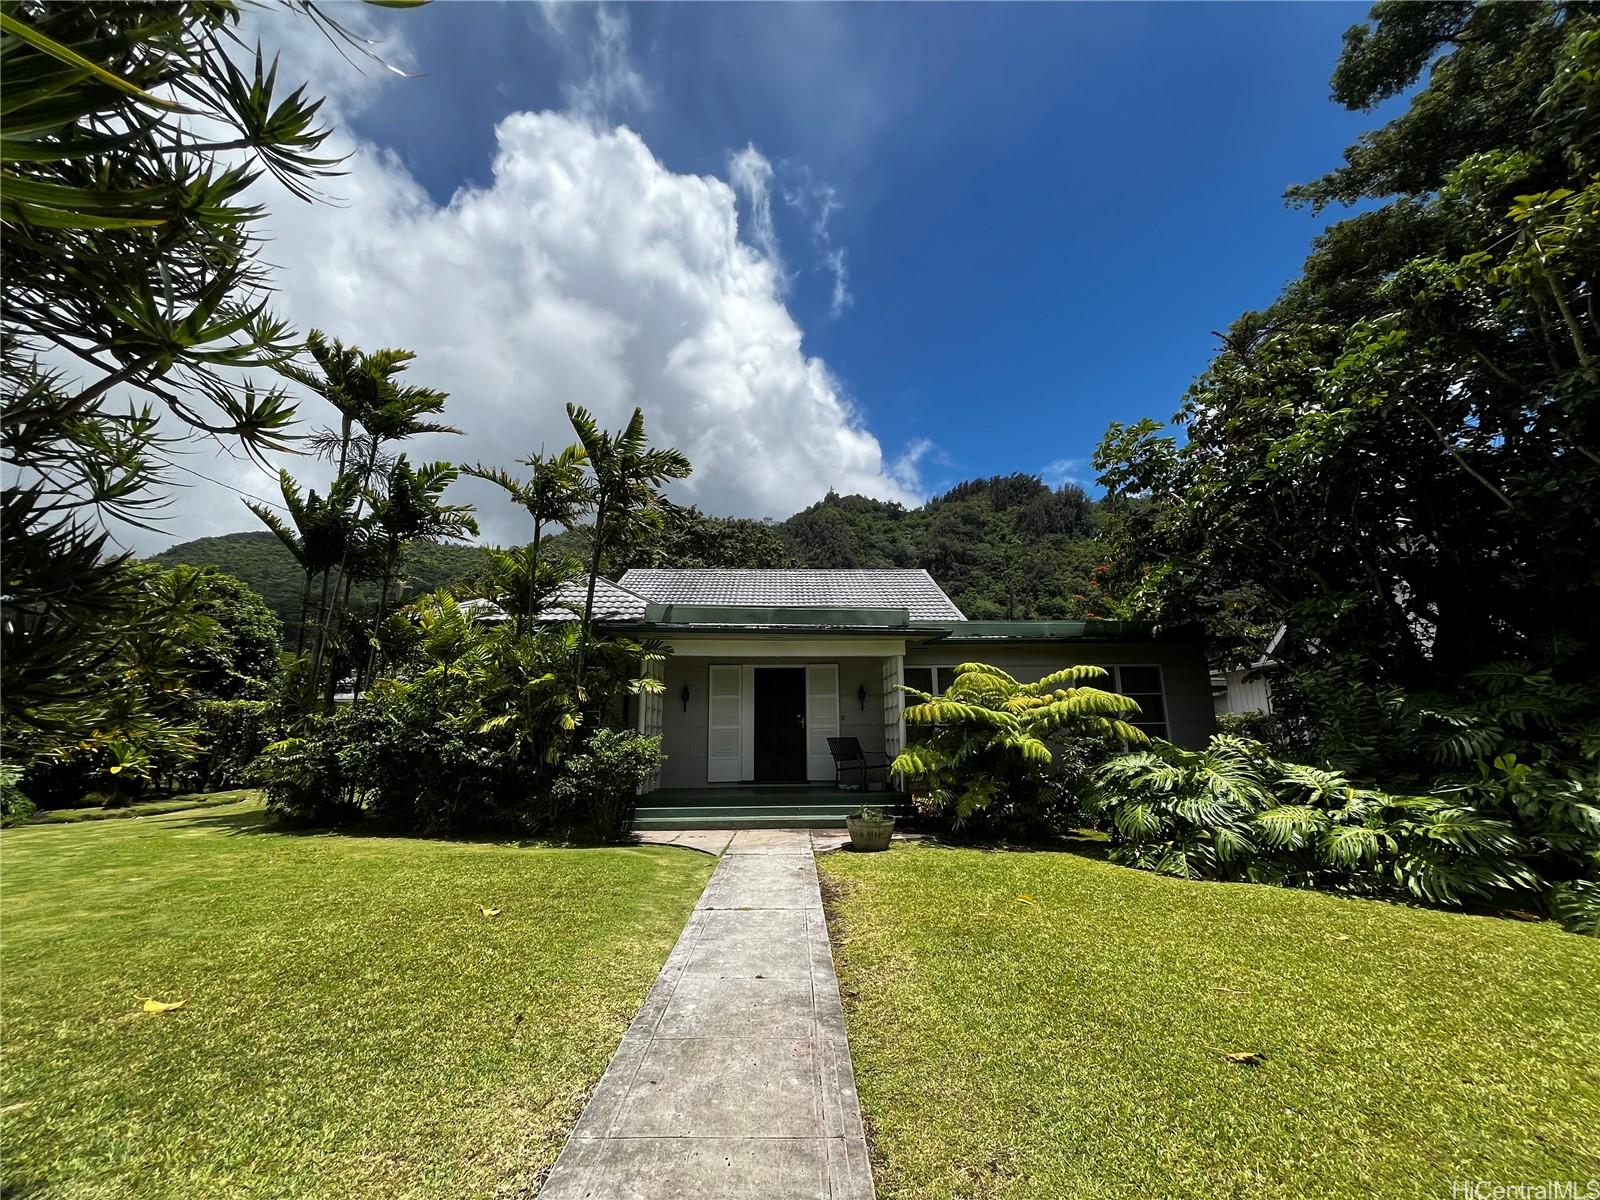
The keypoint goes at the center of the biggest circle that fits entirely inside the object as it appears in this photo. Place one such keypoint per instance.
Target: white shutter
(822, 720)
(723, 725)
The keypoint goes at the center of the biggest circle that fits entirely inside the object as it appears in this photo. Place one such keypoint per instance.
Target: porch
(760, 710)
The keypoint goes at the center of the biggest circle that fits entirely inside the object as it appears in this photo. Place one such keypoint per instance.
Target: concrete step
(719, 819)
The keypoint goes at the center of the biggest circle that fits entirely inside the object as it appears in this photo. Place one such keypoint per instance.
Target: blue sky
(875, 248)
(1044, 209)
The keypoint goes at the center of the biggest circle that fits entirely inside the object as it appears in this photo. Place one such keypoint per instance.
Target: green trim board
(743, 616)
(667, 618)
(1058, 631)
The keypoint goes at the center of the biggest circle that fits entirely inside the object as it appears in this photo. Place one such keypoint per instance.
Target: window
(1142, 684)
(932, 680)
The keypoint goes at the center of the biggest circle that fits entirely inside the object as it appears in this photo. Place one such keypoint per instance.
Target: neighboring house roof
(723, 587)
(486, 611)
(611, 602)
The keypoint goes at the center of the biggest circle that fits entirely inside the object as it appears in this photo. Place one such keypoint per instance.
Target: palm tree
(626, 475)
(409, 508)
(316, 533)
(554, 494)
(362, 386)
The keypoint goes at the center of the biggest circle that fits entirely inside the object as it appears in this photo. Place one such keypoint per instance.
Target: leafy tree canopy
(135, 303)
(1399, 461)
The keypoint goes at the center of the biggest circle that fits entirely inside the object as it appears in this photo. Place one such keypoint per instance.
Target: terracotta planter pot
(868, 834)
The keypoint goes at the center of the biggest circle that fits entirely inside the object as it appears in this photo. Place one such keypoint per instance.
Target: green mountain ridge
(1008, 546)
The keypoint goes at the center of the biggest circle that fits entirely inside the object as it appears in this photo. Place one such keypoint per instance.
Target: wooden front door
(780, 724)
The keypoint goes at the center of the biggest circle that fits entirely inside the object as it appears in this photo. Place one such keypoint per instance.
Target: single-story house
(765, 666)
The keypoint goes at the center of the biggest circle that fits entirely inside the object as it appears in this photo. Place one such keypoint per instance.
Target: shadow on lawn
(1085, 843)
(260, 821)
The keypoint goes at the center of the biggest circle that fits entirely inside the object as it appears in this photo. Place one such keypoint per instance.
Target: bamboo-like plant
(986, 737)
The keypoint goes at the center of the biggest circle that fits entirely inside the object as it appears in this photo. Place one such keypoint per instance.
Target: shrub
(303, 776)
(594, 795)
(983, 763)
(472, 733)
(1233, 812)
(232, 734)
(1521, 743)
(419, 759)
(15, 806)
(1266, 728)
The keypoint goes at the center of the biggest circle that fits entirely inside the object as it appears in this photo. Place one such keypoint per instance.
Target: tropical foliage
(376, 506)
(980, 755)
(134, 302)
(1234, 812)
(479, 728)
(195, 637)
(554, 493)
(500, 717)
(260, 559)
(1393, 473)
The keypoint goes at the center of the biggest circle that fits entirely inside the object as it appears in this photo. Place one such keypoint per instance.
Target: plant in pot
(871, 828)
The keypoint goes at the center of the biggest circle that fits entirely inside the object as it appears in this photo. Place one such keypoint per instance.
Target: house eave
(1059, 631)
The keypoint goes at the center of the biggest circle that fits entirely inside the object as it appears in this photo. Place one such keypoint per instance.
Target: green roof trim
(735, 616)
(1056, 631)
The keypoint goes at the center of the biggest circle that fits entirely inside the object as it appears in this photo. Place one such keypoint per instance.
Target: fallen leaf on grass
(1340, 937)
(1026, 899)
(1245, 1058)
(152, 1005)
(1233, 991)
(1520, 915)
(489, 912)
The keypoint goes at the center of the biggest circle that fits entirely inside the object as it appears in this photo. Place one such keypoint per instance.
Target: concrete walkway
(734, 1080)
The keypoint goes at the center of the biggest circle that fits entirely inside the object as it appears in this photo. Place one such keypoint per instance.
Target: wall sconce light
(861, 697)
(684, 696)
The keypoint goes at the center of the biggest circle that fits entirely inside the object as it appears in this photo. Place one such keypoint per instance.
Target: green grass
(1074, 1046)
(355, 1026)
(149, 808)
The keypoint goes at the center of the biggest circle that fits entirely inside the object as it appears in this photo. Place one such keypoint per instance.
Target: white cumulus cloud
(588, 272)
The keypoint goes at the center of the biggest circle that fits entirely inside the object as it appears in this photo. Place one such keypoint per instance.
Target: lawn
(1072, 1043)
(354, 1025)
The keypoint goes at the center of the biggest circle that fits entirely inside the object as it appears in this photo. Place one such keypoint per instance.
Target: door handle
(802, 720)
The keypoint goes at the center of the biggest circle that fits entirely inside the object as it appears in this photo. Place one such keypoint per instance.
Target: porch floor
(755, 806)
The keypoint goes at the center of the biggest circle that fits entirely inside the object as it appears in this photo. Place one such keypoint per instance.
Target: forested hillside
(260, 560)
(1004, 547)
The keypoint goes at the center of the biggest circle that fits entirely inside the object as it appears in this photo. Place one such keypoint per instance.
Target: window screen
(920, 678)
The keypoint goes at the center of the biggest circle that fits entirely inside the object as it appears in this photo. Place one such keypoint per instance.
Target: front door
(780, 724)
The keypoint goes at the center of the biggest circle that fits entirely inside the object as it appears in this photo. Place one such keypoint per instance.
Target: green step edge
(748, 810)
(775, 821)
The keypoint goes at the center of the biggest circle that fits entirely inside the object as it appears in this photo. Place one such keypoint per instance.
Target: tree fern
(985, 740)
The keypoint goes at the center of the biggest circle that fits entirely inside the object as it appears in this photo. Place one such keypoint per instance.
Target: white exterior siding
(1240, 695)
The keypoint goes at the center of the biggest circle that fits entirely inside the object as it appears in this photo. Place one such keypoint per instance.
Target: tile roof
(722, 586)
(611, 603)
